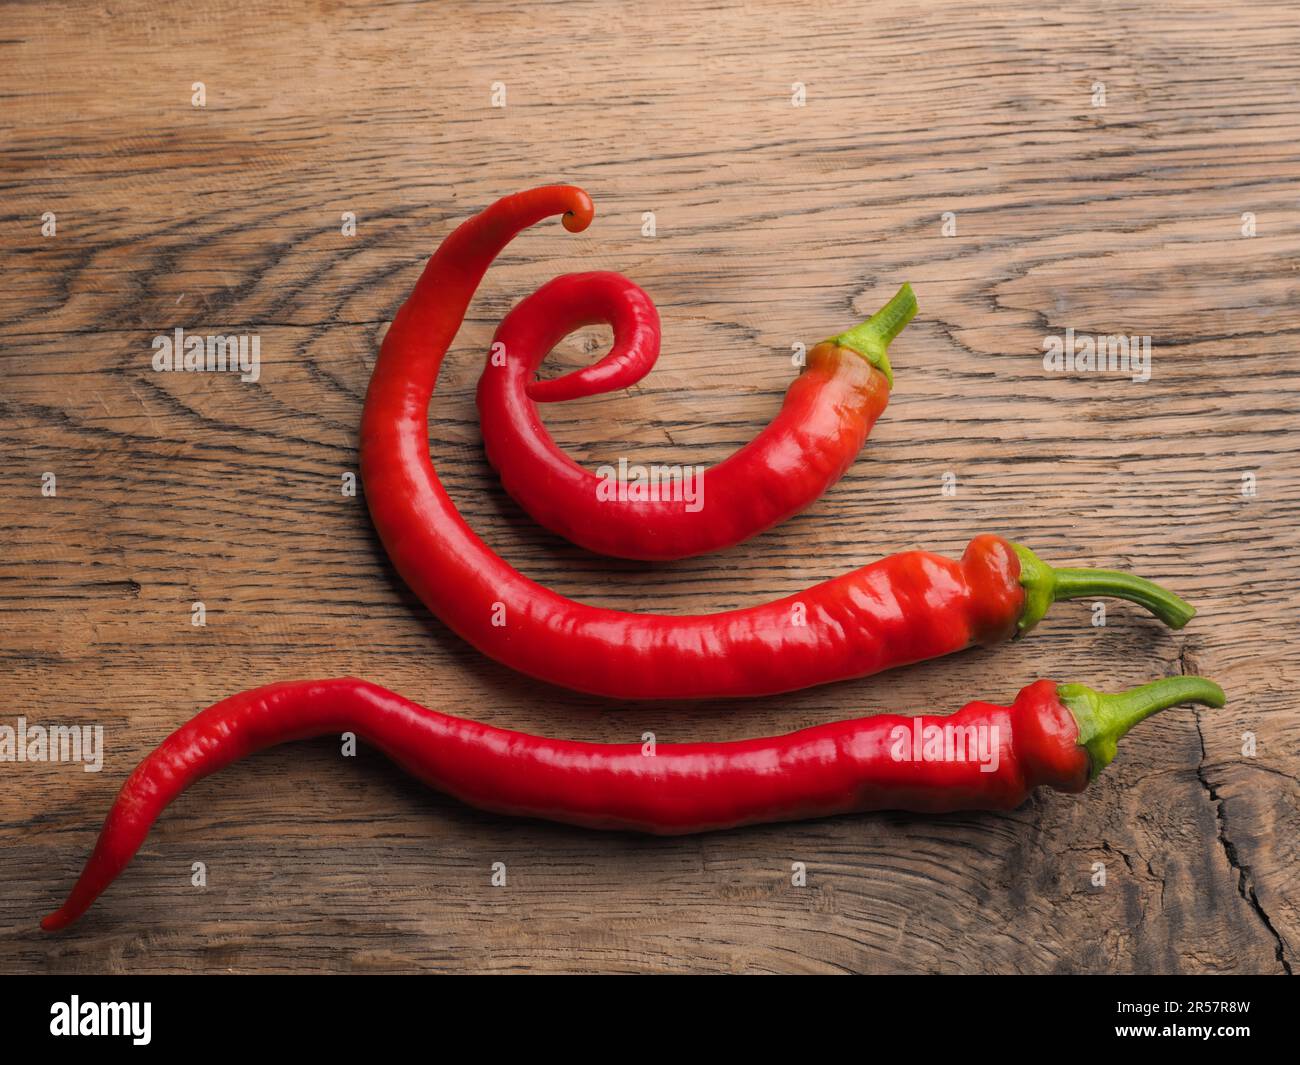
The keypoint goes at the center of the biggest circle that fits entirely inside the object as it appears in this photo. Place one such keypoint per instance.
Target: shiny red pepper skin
(844, 767)
(828, 412)
(902, 609)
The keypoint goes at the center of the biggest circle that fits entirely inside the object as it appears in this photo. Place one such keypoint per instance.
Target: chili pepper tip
(578, 217)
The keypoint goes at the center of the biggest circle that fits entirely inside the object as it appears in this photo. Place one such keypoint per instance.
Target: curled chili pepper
(827, 415)
(984, 757)
(902, 609)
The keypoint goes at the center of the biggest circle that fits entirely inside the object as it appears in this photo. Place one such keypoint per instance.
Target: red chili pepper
(983, 757)
(828, 412)
(902, 609)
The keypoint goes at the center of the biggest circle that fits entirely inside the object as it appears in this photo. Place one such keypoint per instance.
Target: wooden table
(1114, 169)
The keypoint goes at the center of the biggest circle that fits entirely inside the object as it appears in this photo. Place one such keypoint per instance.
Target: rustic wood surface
(775, 223)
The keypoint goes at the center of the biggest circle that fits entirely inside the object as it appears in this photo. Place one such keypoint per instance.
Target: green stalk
(871, 338)
(1104, 719)
(1044, 586)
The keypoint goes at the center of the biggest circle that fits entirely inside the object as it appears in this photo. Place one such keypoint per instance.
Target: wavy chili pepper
(899, 610)
(827, 415)
(984, 757)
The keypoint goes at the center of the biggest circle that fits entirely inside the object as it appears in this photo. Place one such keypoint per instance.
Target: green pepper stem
(1044, 586)
(871, 338)
(1104, 719)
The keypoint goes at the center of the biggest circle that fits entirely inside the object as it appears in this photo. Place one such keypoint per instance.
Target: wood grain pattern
(775, 224)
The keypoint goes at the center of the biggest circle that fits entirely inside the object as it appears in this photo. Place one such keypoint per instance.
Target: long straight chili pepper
(902, 609)
(828, 412)
(984, 757)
